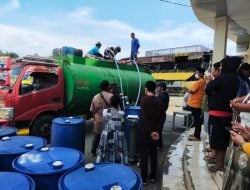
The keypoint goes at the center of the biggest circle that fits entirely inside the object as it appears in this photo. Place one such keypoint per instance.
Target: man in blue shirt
(95, 50)
(134, 47)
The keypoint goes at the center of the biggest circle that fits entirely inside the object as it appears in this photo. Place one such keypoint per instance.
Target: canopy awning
(173, 76)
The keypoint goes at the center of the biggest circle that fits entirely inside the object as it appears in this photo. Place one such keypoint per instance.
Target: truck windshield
(14, 73)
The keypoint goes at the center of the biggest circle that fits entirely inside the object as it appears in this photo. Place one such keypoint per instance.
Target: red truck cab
(34, 95)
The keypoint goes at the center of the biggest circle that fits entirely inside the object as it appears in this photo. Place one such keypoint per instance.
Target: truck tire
(42, 126)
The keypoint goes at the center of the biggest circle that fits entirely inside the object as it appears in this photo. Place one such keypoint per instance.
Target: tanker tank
(82, 77)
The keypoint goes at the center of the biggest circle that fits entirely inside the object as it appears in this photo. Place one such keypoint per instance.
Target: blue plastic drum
(132, 114)
(14, 180)
(47, 165)
(68, 50)
(11, 147)
(68, 132)
(133, 110)
(103, 176)
(7, 131)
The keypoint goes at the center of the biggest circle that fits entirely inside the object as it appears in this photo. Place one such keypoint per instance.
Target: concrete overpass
(229, 19)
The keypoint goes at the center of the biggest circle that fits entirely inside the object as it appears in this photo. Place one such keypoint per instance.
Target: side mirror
(7, 79)
(2, 82)
(4, 78)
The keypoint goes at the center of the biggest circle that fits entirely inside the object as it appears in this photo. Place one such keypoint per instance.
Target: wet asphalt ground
(169, 137)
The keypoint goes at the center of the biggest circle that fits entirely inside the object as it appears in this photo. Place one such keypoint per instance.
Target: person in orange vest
(195, 101)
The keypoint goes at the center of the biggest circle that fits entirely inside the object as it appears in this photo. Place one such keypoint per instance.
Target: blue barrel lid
(14, 180)
(4, 131)
(132, 111)
(20, 144)
(68, 120)
(48, 160)
(102, 177)
(133, 108)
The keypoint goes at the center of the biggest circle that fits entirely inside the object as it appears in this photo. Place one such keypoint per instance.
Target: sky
(38, 26)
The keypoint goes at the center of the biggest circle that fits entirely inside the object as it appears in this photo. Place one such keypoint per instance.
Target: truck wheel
(42, 126)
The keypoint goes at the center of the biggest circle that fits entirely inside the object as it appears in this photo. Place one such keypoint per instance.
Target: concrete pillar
(220, 38)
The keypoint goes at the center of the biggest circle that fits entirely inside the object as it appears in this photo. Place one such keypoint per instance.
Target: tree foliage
(11, 54)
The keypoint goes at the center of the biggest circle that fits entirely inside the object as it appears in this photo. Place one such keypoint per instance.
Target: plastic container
(7, 131)
(68, 50)
(45, 166)
(11, 147)
(132, 114)
(68, 132)
(104, 176)
(14, 180)
(133, 110)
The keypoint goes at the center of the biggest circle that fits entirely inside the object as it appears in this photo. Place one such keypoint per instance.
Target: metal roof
(178, 50)
(173, 76)
(237, 11)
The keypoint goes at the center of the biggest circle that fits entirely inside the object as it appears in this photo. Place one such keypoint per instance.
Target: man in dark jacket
(220, 91)
(151, 118)
(244, 74)
(162, 94)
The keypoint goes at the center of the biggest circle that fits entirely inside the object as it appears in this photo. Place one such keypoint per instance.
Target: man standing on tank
(135, 45)
(151, 118)
(99, 102)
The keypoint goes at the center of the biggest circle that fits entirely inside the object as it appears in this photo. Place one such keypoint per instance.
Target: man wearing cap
(195, 100)
(163, 95)
(95, 51)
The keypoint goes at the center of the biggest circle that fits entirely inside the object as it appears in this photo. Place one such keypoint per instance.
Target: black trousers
(148, 150)
(160, 142)
(196, 113)
(219, 136)
(95, 143)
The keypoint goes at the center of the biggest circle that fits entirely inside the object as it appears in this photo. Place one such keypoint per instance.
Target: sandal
(193, 138)
(211, 161)
(207, 150)
(215, 168)
(208, 157)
